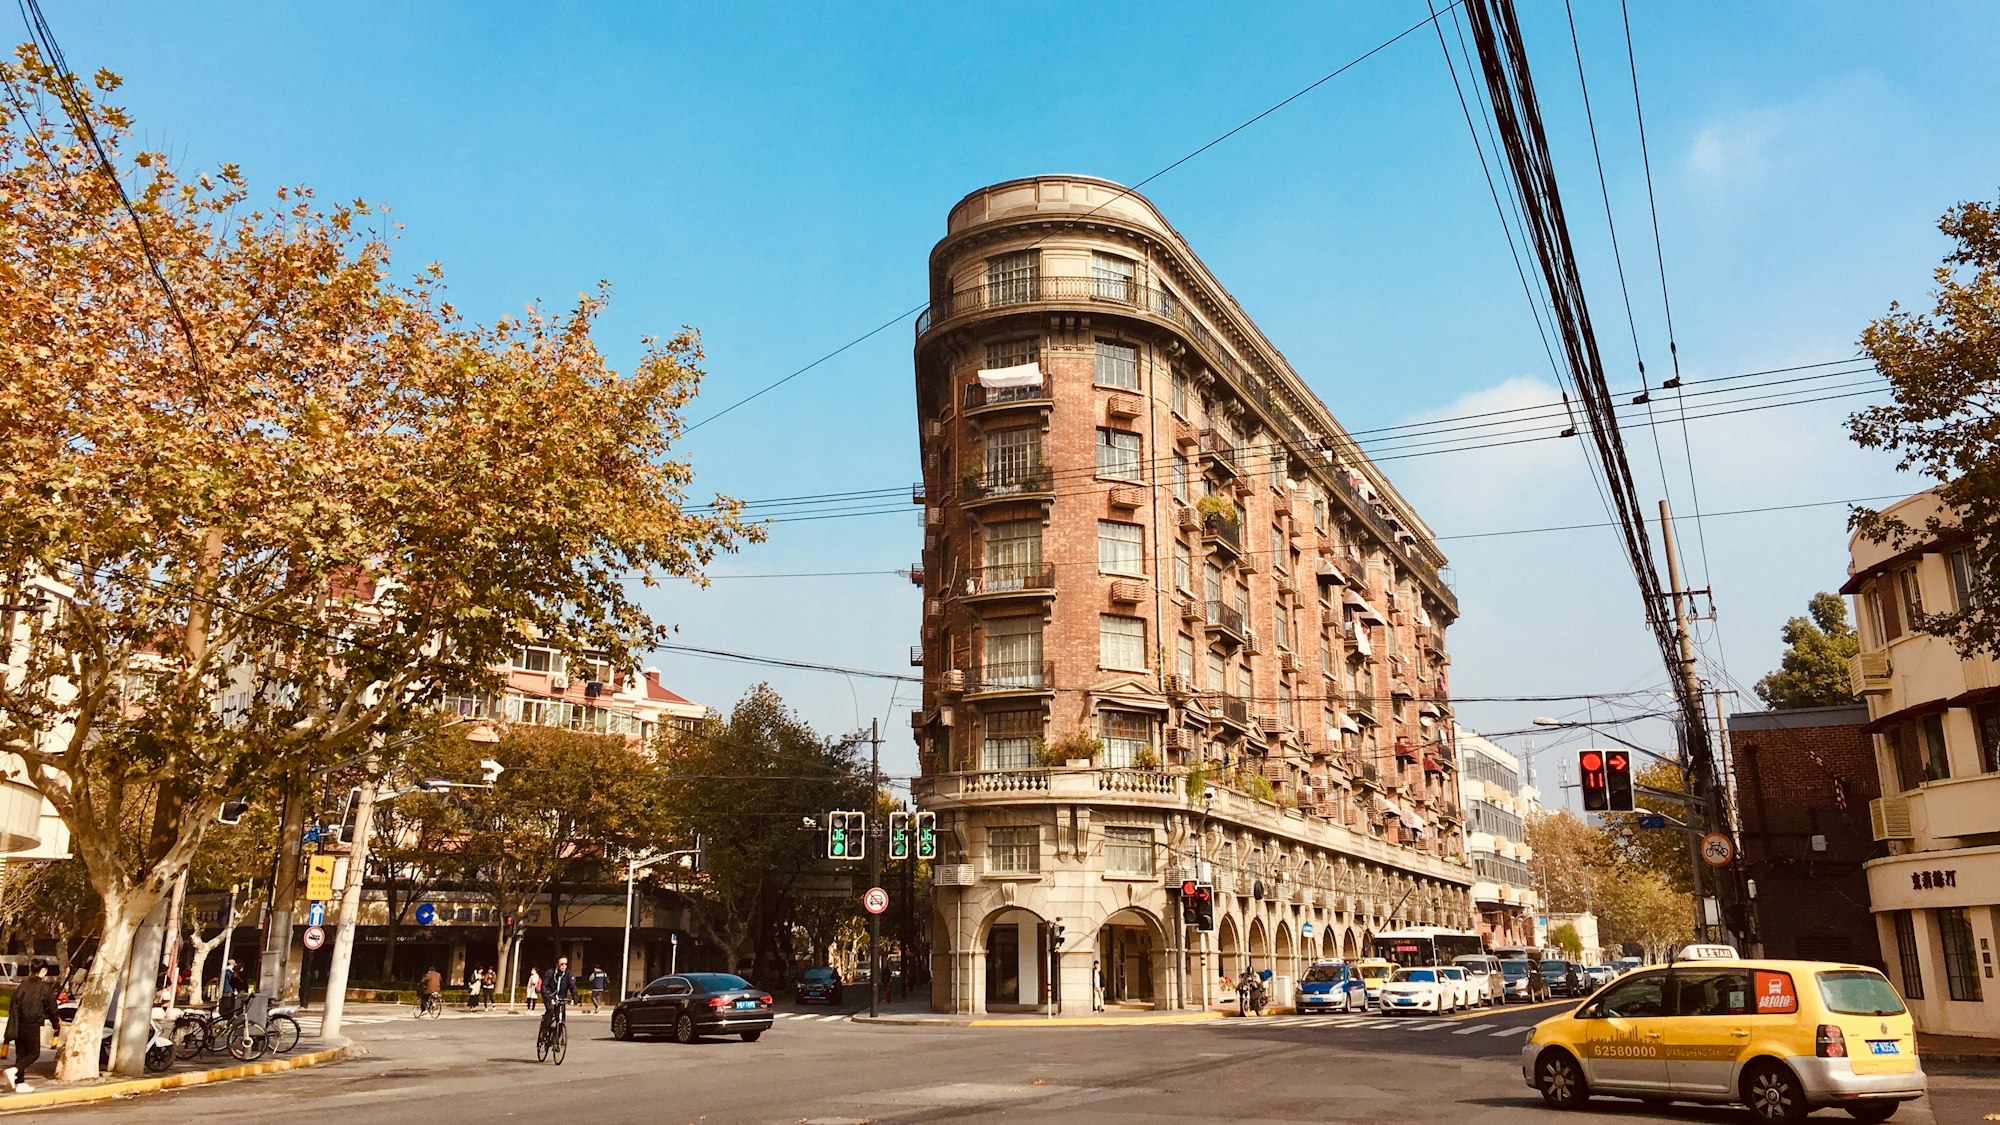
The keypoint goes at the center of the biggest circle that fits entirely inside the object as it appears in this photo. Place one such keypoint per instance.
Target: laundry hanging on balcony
(1011, 378)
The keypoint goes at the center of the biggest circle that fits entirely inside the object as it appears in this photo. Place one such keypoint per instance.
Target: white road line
(1473, 1028)
(1514, 1030)
(1427, 1025)
(1321, 1022)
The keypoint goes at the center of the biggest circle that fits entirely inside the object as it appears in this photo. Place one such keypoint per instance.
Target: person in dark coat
(34, 1005)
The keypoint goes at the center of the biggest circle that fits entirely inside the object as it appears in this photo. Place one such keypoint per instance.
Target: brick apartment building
(1804, 779)
(1176, 626)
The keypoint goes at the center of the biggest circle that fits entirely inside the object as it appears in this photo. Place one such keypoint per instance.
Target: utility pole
(874, 865)
(350, 908)
(1700, 781)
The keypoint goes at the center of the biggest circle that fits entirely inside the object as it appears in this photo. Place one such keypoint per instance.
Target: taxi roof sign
(1709, 953)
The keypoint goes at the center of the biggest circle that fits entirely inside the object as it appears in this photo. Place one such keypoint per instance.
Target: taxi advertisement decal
(1689, 1052)
(1775, 994)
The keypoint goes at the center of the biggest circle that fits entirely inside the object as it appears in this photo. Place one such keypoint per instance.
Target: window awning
(1330, 574)
(1914, 711)
(1409, 819)
(1363, 611)
(1427, 708)
(1019, 375)
(1346, 722)
(1935, 546)
(1399, 688)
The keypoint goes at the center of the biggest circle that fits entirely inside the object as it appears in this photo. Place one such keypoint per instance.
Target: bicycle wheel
(560, 1044)
(190, 1036)
(248, 1041)
(542, 1045)
(436, 1009)
(283, 1032)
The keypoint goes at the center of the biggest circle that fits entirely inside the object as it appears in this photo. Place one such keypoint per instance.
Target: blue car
(1332, 986)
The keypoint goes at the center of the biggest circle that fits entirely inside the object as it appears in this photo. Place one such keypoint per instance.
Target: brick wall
(1793, 769)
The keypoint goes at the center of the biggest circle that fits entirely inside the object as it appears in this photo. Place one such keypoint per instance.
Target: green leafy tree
(1944, 375)
(302, 485)
(1638, 911)
(1565, 938)
(746, 783)
(1813, 672)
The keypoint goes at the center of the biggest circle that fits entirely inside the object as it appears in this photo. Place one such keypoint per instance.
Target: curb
(133, 1087)
(1065, 1021)
(1982, 1061)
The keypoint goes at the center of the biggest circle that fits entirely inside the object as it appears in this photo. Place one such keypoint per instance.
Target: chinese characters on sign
(1933, 880)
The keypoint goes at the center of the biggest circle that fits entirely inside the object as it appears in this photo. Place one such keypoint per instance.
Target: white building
(1498, 802)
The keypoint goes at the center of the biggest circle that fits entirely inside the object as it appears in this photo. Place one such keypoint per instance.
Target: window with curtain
(1183, 567)
(1119, 548)
(1013, 455)
(1218, 673)
(1013, 553)
(1008, 740)
(1014, 850)
(1181, 468)
(1014, 652)
(1910, 593)
(1126, 735)
(1278, 547)
(1961, 565)
(1121, 642)
(1184, 658)
(1111, 277)
(1117, 454)
(1180, 393)
(1986, 721)
(1013, 278)
(1282, 633)
(1128, 851)
(1117, 365)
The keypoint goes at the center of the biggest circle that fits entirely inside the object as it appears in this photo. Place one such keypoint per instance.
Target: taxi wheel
(1560, 1080)
(1773, 1093)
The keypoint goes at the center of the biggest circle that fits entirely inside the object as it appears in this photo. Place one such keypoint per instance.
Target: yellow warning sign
(319, 878)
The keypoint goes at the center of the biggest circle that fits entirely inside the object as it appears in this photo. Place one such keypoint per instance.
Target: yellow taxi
(1782, 1037)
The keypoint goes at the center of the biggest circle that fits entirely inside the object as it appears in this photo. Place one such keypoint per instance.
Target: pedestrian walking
(34, 1004)
(487, 984)
(1096, 986)
(471, 986)
(600, 983)
(534, 987)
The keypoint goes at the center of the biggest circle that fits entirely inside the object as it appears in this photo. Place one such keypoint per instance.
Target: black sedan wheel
(684, 1029)
(835, 999)
(621, 1026)
(752, 1036)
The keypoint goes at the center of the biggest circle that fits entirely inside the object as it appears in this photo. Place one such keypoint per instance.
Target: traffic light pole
(874, 866)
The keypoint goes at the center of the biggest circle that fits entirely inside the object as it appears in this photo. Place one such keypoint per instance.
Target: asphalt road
(816, 1069)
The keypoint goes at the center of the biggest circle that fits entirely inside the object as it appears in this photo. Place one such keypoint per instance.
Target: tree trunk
(142, 985)
(78, 1060)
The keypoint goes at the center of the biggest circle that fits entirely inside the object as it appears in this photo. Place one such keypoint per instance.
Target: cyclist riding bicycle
(430, 992)
(558, 988)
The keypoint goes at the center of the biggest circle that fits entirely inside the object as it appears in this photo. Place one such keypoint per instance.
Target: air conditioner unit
(1868, 673)
(1250, 642)
(954, 680)
(934, 429)
(1180, 738)
(1176, 684)
(953, 875)
(1186, 517)
(558, 682)
(1128, 592)
(933, 517)
(1288, 661)
(1889, 817)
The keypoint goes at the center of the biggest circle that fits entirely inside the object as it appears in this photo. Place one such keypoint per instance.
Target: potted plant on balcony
(1215, 507)
(1146, 759)
(1077, 750)
(968, 480)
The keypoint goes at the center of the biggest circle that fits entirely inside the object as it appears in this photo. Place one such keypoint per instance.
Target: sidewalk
(1969, 1050)
(917, 1013)
(50, 1093)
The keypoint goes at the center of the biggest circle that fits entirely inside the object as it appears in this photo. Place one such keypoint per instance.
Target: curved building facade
(1176, 627)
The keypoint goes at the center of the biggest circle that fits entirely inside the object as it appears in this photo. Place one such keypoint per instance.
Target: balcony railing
(1136, 781)
(1036, 480)
(1006, 781)
(979, 398)
(1227, 620)
(1227, 707)
(1033, 579)
(1223, 532)
(1013, 675)
(1221, 450)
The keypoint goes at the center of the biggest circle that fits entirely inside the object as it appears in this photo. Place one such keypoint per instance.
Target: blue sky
(776, 176)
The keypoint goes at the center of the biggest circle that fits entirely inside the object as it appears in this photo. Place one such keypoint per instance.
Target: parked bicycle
(552, 1041)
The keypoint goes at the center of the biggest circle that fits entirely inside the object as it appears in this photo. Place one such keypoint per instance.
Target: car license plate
(1883, 1046)
(1404, 1000)
(746, 1003)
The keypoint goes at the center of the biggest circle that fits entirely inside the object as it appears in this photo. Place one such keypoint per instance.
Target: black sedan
(817, 984)
(691, 1005)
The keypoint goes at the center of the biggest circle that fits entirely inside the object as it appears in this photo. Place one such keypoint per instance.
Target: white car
(1489, 982)
(1465, 993)
(1422, 989)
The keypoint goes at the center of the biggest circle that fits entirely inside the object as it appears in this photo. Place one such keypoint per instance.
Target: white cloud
(1737, 148)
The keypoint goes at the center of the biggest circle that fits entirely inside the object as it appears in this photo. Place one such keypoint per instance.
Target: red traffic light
(1617, 761)
(1187, 888)
(1592, 760)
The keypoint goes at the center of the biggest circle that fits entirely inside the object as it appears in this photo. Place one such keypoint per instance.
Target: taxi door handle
(1741, 1033)
(1652, 1035)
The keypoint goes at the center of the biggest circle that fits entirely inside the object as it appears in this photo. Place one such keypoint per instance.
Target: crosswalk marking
(1426, 1025)
(1473, 1028)
(1514, 1030)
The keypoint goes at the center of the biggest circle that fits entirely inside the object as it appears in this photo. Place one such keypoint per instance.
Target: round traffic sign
(426, 914)
(1716, 850)
(315, 937)
(875, 901)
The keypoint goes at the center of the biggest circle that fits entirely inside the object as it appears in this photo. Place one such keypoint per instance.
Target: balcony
(1222, 535)
(1227, 708)
(1221, 452)
(1027, 482)
(1008, 581)
(1226, 621)
(1016, 677)
(988, 400)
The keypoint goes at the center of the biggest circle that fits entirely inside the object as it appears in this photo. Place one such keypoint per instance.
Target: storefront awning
(1019, 375)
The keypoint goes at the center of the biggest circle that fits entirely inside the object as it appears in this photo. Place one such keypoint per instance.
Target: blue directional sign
(1305, 929)
(316, 914)
(426, 914)
(1653, 820)
(312, 834)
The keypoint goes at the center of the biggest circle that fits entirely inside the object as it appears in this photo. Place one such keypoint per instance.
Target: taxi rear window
(1855, 993)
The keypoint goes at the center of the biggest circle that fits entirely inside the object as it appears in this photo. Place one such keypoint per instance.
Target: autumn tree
(1565, 938)
(1638, 909)
(282, 500)
(1567, 855)
(1661, 851)
(52, 899)
(746, 783)
(1944, 376)
(1813, 672)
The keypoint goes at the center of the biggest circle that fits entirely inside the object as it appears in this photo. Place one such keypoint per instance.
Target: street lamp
(633, 866)
(357, 867)
(1572, 724)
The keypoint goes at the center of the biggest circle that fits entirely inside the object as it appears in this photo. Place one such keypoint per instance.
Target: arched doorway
(1013, 952)
(1349, 947)
(1284, 954)
(1131, 953)
(1259, 951)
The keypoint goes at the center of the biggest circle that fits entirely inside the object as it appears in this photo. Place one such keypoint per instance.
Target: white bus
(1426, 945)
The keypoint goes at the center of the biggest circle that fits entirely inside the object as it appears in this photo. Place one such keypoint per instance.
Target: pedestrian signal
(899, 835)
(926, 835)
